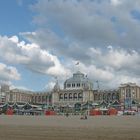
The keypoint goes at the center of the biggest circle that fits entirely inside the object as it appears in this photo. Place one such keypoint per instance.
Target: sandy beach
(69, 128)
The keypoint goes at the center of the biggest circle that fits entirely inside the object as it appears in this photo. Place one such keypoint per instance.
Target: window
(75, 96)
(39, 99)
(35, 98)
(70, 96)
(65, 96)
(78, 84)
(73, 85)
(83, 85)
(80, 95)
(114, 96)
(68, 85)
(11, 97)
(43, 98)
(60, 96)
(46, 97)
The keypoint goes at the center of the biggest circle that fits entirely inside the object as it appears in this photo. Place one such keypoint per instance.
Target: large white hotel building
(77, 89)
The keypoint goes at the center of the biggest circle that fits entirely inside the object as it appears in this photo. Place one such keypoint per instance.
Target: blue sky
(42, 39)
(15, 17)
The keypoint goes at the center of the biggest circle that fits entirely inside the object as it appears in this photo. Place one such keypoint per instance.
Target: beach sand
(69, 128)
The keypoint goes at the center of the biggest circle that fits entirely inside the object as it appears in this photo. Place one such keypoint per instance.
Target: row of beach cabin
(88, 108)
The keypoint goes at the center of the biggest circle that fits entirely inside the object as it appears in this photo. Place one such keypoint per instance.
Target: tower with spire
(56, 91)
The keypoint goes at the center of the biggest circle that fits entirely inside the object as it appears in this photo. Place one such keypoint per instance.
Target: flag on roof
(77, 63)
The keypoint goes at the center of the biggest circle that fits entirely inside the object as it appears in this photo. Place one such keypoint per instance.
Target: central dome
(78, 81)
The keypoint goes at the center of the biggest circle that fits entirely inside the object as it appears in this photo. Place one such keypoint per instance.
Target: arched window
(80, 95)
(114, 96)
(104, 96)
(35, 99)
(43, 98)
(117, 96)
(78, 84)
(70, 96)
(109, 96)
(75, 95)
(100, 96)
(95, 96)
(46, 98)
(65, 96)
(50, 98)
(73, 84)
(60, 96)
(39, 98)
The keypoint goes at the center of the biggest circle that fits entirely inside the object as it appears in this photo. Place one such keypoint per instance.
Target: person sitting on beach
(84, 117)
(67, 114)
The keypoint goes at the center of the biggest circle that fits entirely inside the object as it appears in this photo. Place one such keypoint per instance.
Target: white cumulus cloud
(8, 73)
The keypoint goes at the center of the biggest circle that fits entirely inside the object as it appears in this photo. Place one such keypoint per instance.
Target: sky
(44, 39)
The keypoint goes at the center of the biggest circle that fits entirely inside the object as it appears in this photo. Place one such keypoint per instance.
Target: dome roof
(78, 80)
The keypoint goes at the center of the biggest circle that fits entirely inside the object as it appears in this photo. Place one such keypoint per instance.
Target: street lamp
(123, 101)
(132, 97)
(88, 108)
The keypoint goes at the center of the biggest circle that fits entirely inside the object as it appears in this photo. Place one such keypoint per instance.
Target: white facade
(77, 89)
